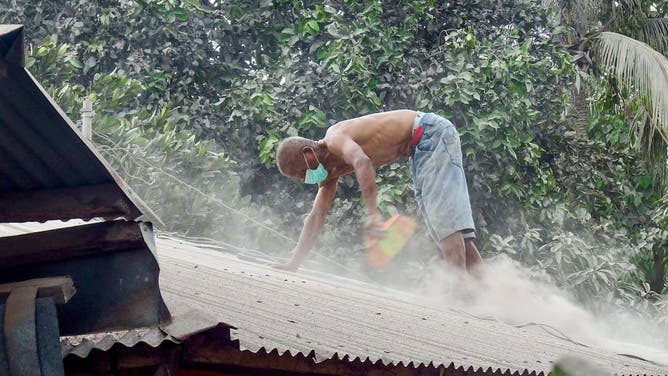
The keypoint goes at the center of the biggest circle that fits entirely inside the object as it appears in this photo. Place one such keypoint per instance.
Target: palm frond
(654, 32)
(641, 69)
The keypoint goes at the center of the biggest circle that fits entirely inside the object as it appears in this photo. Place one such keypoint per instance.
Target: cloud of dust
(512, 294)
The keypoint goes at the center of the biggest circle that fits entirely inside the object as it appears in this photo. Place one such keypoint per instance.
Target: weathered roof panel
(324, 318)
(185, 322)
(42, 150)
(339, 318)
(81, 346)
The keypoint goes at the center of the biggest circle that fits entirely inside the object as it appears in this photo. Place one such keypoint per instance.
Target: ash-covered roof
(321, 318)
(330, 317)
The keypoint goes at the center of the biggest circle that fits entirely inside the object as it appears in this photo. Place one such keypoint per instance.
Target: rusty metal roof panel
(81, 346)
(334, 317)
(185, 322)
(40, 147)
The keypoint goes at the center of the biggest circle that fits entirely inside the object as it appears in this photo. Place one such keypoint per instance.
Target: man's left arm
(354, 155)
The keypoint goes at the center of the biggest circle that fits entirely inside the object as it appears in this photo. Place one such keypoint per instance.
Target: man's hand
(373, 229)
(291, 267)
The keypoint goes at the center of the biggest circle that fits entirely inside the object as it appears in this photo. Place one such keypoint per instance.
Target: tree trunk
(657, 281)
(579, 112)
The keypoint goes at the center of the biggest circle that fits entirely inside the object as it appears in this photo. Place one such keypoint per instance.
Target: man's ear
(305, 155)
(308, 150)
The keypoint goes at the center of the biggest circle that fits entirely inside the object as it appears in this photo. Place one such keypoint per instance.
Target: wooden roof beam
(71, 242)
(85, 202)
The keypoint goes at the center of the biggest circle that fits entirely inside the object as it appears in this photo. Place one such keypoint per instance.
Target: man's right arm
(312, 225)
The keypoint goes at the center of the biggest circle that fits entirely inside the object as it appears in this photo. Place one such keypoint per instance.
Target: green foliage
(624, 43)
(556, 371)
(499, 136)
(620, 49)
(143, 130)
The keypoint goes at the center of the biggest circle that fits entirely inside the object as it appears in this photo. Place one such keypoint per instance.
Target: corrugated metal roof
(40, 147)
(338, 318)
(10, 229)
(324, 317)
(81, 346)
(191, 320)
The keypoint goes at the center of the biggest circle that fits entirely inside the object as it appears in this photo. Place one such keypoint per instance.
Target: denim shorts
(438, 177)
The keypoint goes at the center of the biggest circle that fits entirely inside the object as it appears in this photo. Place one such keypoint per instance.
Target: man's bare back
(384, 137)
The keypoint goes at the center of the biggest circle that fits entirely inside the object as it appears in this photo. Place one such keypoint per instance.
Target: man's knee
(455, 240)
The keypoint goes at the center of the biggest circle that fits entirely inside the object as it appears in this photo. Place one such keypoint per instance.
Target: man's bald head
(290, 157)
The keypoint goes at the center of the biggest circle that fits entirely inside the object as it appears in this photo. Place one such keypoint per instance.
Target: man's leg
(473, 259)
(454, 250)
(460, 253)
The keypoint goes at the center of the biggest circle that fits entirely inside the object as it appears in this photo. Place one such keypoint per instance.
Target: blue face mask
(316, 175)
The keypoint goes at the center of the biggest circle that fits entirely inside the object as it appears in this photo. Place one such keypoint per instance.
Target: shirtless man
(360, 145)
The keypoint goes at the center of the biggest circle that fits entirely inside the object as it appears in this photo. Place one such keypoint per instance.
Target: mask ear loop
(306, 160)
